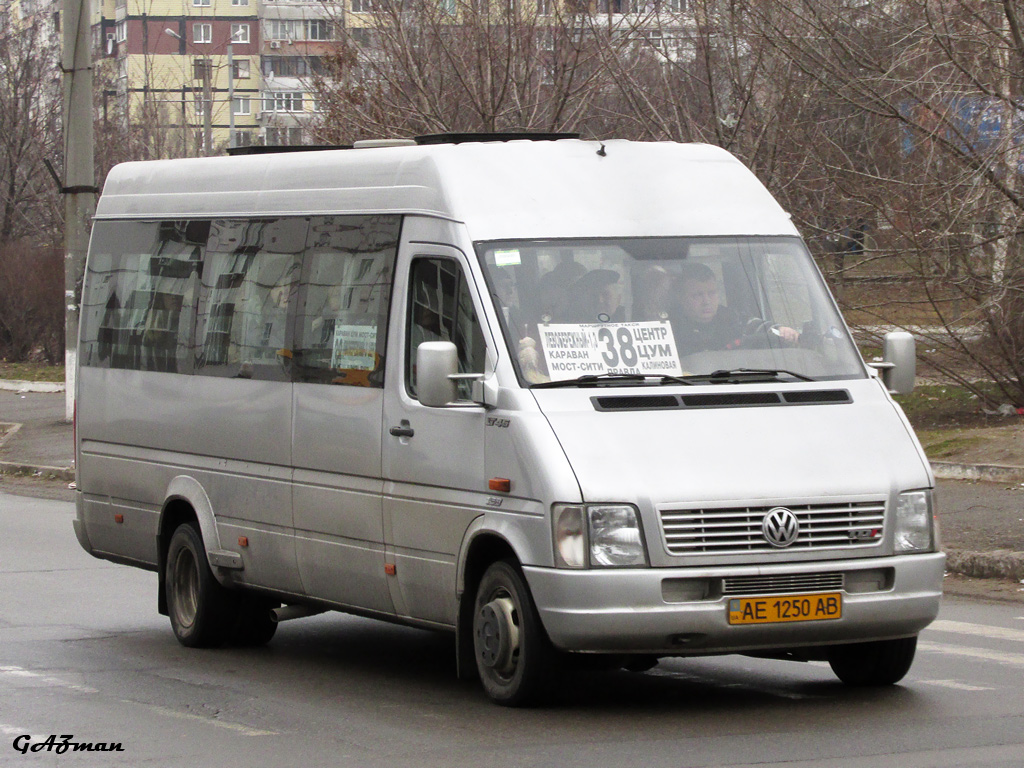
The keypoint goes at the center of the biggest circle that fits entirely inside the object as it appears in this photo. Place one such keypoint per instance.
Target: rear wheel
(873, 664)
(202, 612)
(255, 625)
(512, 653)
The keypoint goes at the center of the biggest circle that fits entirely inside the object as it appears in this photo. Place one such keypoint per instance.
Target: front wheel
(202, 611)
(512, 652)
(879, 663)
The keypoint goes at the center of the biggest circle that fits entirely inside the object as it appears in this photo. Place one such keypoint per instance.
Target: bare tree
(934, 89)
(421, 66)
(30, 107)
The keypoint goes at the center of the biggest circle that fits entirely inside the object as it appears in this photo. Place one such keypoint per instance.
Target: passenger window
(345, 297)
(249, 285)
(139, 312)
(441, 309)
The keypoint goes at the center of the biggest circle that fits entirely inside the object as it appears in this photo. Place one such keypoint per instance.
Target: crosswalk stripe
(979, 630)
(956, 685)
(18, 673)
(1016, 659)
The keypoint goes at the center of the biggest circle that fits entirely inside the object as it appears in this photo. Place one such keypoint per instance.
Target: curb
(992, 473)
(15, 385)
(38, 471)
(997, 564)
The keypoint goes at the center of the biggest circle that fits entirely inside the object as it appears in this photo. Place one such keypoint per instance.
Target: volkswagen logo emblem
(780, 527)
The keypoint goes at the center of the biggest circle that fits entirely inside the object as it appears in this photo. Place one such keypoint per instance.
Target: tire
(873, 664)
(512, 653)
(202, 612)
(254, 625)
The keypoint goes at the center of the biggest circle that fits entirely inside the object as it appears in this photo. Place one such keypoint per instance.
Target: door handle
(404, 429)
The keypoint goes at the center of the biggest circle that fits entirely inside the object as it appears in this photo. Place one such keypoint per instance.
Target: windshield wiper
(592, 379)
(735, 373)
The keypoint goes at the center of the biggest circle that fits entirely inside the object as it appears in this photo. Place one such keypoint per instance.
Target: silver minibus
(561, 398)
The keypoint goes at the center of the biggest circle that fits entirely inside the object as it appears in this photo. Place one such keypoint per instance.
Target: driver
(702, 323)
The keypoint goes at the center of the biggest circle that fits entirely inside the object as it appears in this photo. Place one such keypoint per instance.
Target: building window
(283, 136)
(317, 29)
(279, 29)
(241, 106)
(243, 138)
(240, 2)
(240, 33)
(240, 69)
(121, 30)
(291, 66)
(202, 33)
(362, 6)
(201, 3)
(282, 101)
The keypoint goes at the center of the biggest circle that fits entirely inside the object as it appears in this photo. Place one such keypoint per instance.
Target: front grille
(737, 530)
(781, 583)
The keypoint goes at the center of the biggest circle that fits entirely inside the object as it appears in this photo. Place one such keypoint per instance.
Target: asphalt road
(83, 653)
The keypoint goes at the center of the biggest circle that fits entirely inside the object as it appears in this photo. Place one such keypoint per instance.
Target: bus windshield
(726, 309)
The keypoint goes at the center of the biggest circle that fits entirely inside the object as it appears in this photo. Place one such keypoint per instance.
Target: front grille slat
(738, 529)
(782, 583)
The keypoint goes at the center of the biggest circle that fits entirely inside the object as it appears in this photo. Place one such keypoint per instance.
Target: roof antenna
(601, 152)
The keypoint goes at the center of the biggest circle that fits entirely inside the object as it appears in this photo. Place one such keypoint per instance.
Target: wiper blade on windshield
(734, 373)
(609, 378)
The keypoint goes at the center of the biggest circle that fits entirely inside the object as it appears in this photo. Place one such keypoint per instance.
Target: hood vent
(720, 400)
(730, 399)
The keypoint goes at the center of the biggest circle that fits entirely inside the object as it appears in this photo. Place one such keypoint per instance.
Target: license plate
(772, 609)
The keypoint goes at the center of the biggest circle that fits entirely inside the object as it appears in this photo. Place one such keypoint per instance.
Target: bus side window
(249, 283)
(344, 299)
(139, 311)
(441, 309)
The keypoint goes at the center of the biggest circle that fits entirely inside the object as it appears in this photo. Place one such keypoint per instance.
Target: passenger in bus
(597, 298)
(652, 296)
(554, 287)
(701, 322)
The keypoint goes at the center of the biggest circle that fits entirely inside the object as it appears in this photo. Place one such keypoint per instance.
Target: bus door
(434, 483)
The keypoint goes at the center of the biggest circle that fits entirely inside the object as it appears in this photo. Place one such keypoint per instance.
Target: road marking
(1014, 659)
(980, 630)
(956, 685)
(18, 673)
(11, 730)
(245, 730)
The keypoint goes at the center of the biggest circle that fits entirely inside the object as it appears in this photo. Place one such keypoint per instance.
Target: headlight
(598, 535)
(570, 539)
(914, 522)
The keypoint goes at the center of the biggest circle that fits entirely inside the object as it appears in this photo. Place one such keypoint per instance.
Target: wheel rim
(184, 588)
(497, 635)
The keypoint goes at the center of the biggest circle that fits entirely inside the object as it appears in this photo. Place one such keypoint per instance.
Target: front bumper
(626, 610)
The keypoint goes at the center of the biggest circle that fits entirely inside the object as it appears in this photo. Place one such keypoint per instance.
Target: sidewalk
(981, 506)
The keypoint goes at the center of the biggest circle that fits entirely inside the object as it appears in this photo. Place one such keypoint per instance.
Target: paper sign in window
(579, 349)
(355, 347)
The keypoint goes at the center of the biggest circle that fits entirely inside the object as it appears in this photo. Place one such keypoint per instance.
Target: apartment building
(189, 73)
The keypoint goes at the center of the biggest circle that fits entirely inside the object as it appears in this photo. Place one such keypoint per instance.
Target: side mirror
(436, 362)
(900, 365)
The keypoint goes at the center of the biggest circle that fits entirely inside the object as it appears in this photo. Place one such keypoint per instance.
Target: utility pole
(207, 107)
(231, 96)
(79, 175)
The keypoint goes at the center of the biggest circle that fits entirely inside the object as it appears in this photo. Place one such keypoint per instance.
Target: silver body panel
(326, 497)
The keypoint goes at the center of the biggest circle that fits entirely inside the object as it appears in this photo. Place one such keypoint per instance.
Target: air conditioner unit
(275, 43)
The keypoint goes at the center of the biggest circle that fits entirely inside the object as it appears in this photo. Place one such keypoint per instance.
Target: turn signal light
(500, 484)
